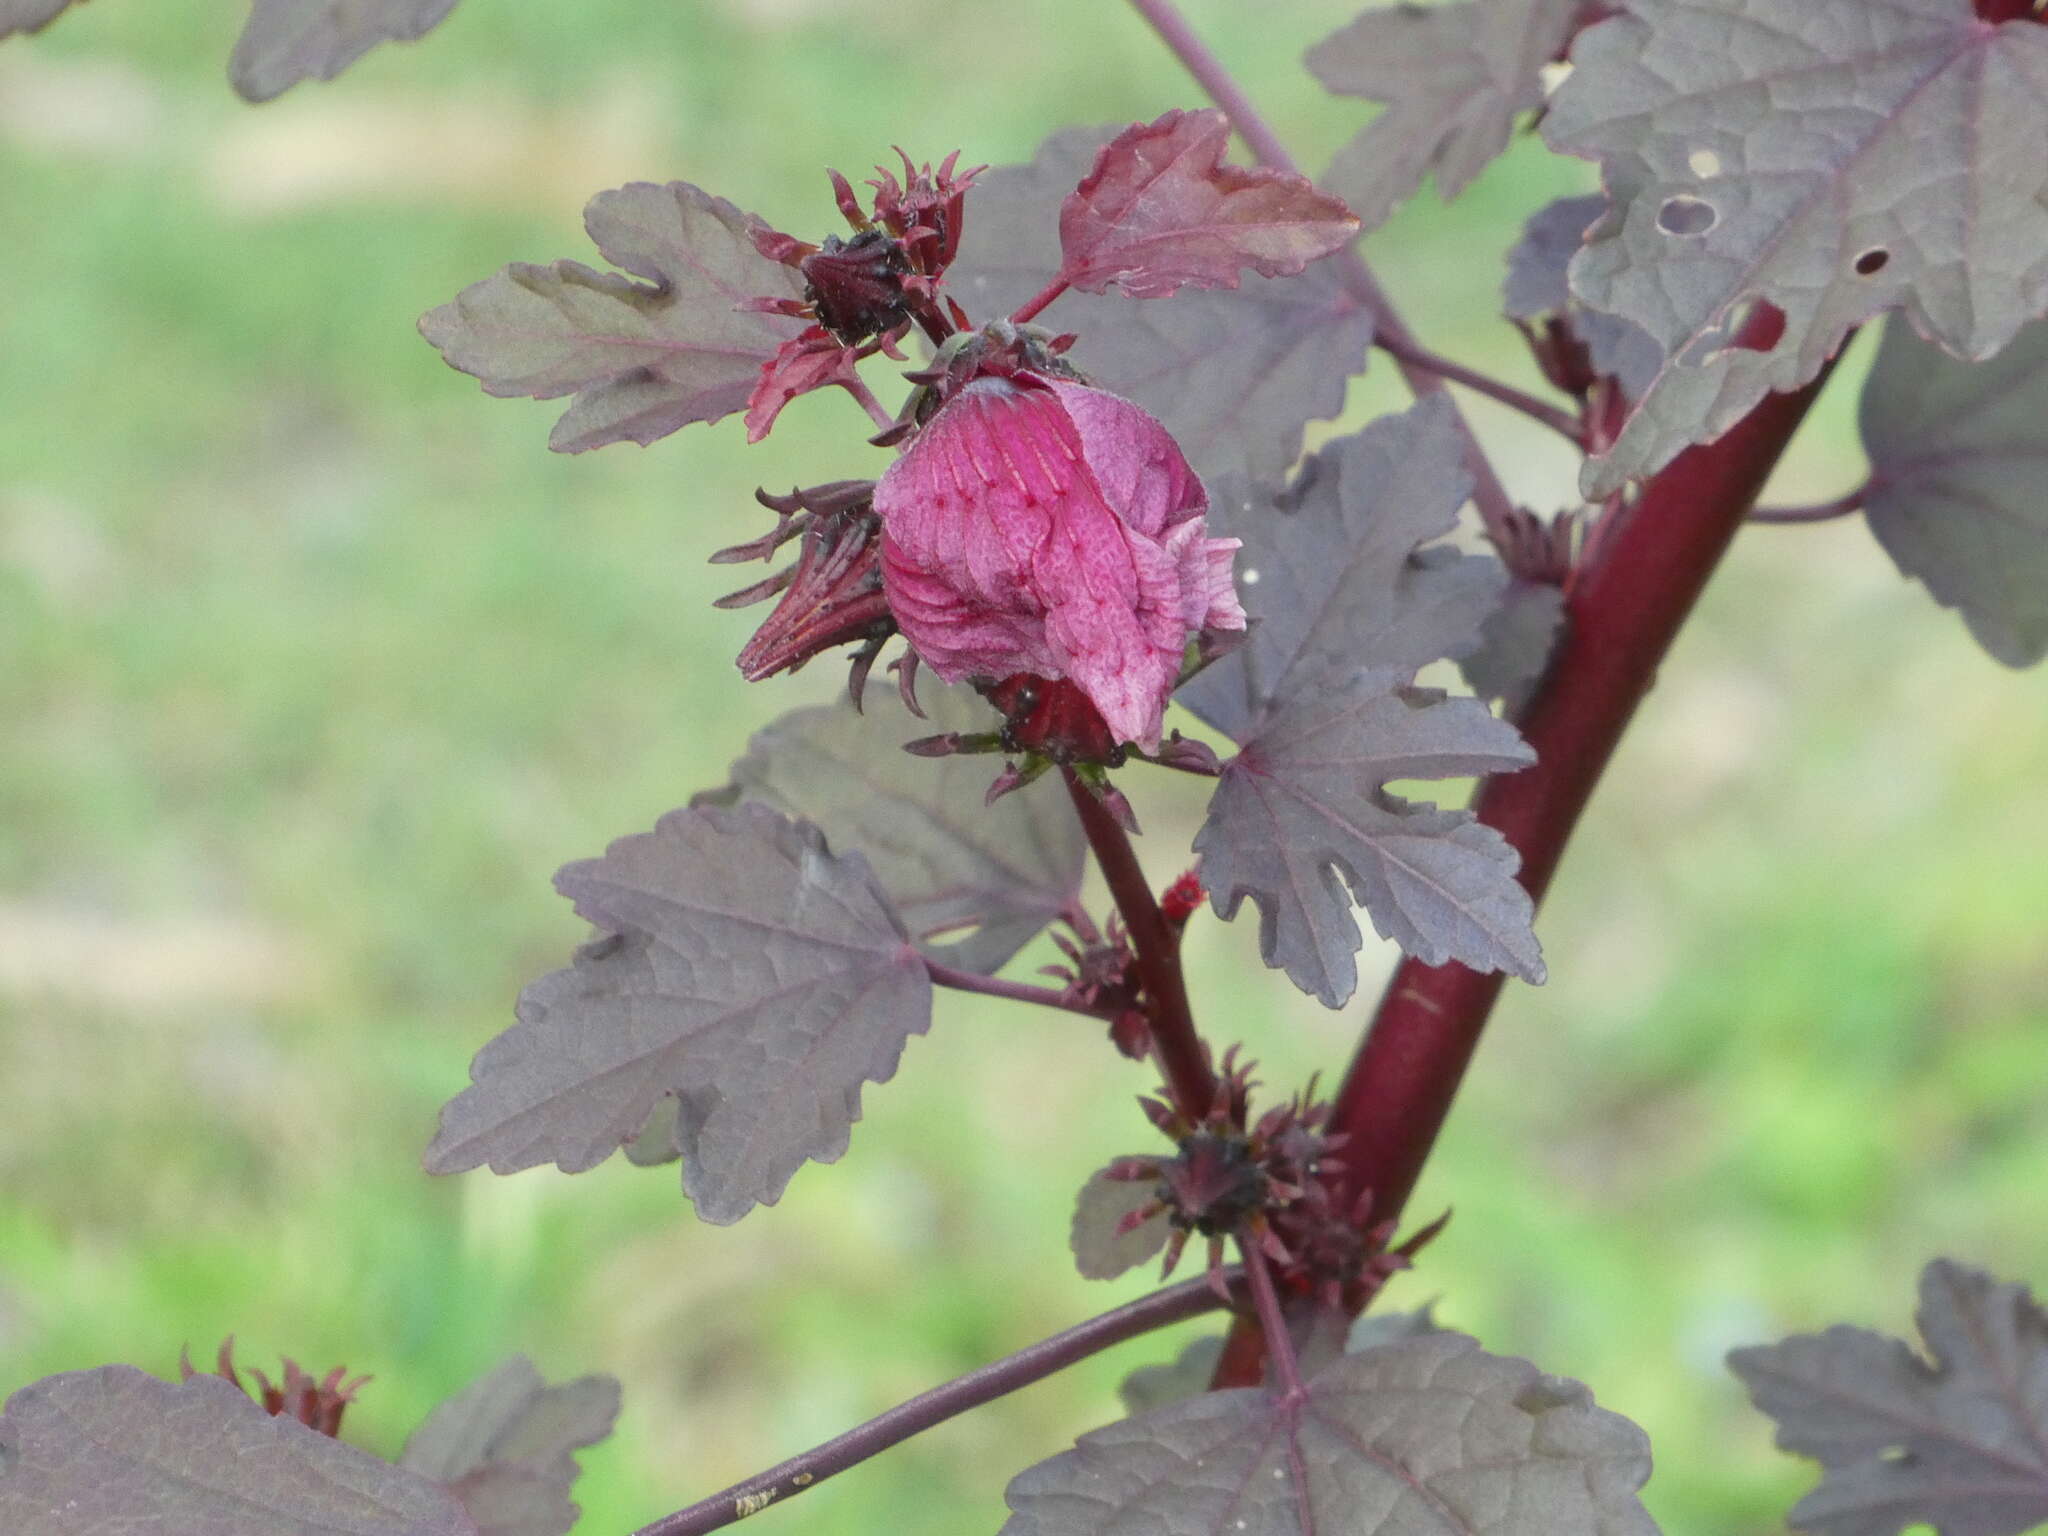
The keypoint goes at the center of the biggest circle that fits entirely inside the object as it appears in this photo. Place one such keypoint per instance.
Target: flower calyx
(317, 1403)
(874, 285)
(830, 595)
(1101, 974)
(1273, 1183)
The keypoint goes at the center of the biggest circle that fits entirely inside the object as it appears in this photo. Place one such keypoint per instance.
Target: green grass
(314, 664)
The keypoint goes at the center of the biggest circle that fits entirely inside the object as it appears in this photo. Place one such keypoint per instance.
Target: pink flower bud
(1040, 526)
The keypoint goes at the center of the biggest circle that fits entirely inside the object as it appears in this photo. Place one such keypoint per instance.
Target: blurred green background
(314, 664)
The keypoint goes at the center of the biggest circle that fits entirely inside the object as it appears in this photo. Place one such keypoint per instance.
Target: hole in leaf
(1757, 325)
(1687, 215)
(1705, 164)
(1753, 324)
(1872, 261)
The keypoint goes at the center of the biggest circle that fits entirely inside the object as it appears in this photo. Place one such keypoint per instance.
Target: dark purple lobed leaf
(286, 41)
(1958, 458)
(113, 1449)
(1332, 576)
(1515, 644)
(1161, 210)
(1535, 284)
(1337, 582)
(949, 861)
(28, 15)
(1375, 1330)
(1419, 1438)
(1826, 159)
(643, 359)
(1455, 77)
(1301, 822)
(1235, 374)
(1961, 1444)
(1101, 1252)
(744, 968)
(1536, 287)
(505, 1445)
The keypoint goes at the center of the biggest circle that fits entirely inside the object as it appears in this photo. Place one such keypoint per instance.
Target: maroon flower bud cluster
(1273, 1184)
(830, 595)
(1103, 976)
(316, 1403)
(862, 294)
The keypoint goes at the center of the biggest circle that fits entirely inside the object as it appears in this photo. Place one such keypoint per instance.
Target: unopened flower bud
(1039, 526)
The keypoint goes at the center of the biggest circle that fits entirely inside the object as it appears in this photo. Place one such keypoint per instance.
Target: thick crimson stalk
(1623, 613)
(2008, 10)
(1181, 1057)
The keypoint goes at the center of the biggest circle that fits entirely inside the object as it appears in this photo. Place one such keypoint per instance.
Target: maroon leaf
(286, 41)
(1960, 1444)
(1340, 573)
(1161, 210)
(1820, 161)
(745, 969)
(1302, 822)
(1535, 289)
(1957, 455)
(1515, 644)
(113, 1449)
(1234, 374)
(28, 15)
(1455, 78)
(972, 882)
(505, 1445)
(1340, 576)
(1422, 1437)
(642, 359)
(813, 360)
(1105, 1243)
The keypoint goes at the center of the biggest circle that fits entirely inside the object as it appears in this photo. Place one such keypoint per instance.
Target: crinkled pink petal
(1208, 590)
(1142, 472)
(1053, 529)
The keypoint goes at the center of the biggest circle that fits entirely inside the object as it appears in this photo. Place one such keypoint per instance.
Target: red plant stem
(1405, 349)
(1015, 991)
(1496, 511)
(1181, 1056)
(1622, 615)
(1175, 1304)
(1039, 300)
(2007, 10)
(1819, 512)
(878, 413)
(1272, 1323)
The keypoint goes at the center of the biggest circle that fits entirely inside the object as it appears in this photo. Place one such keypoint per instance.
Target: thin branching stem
(1031, 306)
(1405, 349)
(1015, 991)
(1175, 1304)
(878, 413)
(1820, 512)
(1272, 1321)
(1496, 511)
(1181, 1056)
